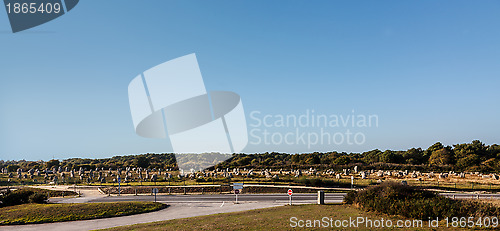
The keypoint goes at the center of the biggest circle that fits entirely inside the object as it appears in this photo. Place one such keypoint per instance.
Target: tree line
(473, 157)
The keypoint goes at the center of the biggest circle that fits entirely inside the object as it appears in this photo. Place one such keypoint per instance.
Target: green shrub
(38, 198)
(397, 199)
(22, 196)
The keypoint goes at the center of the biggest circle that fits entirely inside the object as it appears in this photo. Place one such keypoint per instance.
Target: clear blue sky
(430, 70)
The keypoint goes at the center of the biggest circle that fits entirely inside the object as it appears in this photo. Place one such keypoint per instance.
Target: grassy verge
(277, 218)
(43, 213)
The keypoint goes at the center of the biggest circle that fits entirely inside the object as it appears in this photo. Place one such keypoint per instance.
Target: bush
(22, 196)
(38, 198)
(397, 199)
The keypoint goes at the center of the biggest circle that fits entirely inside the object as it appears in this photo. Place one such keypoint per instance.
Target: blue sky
(428, 69)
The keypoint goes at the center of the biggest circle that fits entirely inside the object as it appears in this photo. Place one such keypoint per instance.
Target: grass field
(43, 213)
(277, 218)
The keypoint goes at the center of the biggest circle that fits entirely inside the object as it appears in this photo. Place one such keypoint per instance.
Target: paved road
(273, 198)
(219, 198)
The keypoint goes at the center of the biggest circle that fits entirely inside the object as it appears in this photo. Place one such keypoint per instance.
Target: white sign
(290, 192)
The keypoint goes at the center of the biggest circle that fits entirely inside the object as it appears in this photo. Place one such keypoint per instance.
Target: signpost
(352, 182)
(290, 192)
(236, 192)
(237, 187)
(155, 191)
(119, 181)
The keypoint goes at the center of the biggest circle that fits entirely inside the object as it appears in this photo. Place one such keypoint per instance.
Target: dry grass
(492, 201)
(277, 218)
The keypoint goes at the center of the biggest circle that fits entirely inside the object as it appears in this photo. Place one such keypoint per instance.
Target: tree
(464, 150)
(414, 156)
(472, 154)
(12, 168)
(244, 161)
(342, 160)
(494, 150)
(313, 159)
(442, 156)
(372, 156)
(432, 148)
(388, 157)
(52, 163)
(141, 161)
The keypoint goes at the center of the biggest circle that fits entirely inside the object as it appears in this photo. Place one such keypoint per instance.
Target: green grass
(277, 218)
(43, 213)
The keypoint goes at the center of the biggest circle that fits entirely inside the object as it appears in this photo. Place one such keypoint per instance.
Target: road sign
(119, 179)
(237, 186)
(236, 192)
(290, 192)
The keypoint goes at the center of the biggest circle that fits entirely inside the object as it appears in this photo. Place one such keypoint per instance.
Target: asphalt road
(219, 198)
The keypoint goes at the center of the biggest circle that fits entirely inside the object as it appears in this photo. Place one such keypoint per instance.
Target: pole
(290, 197)
(119, 188)
(321, 197)
(236, 198)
